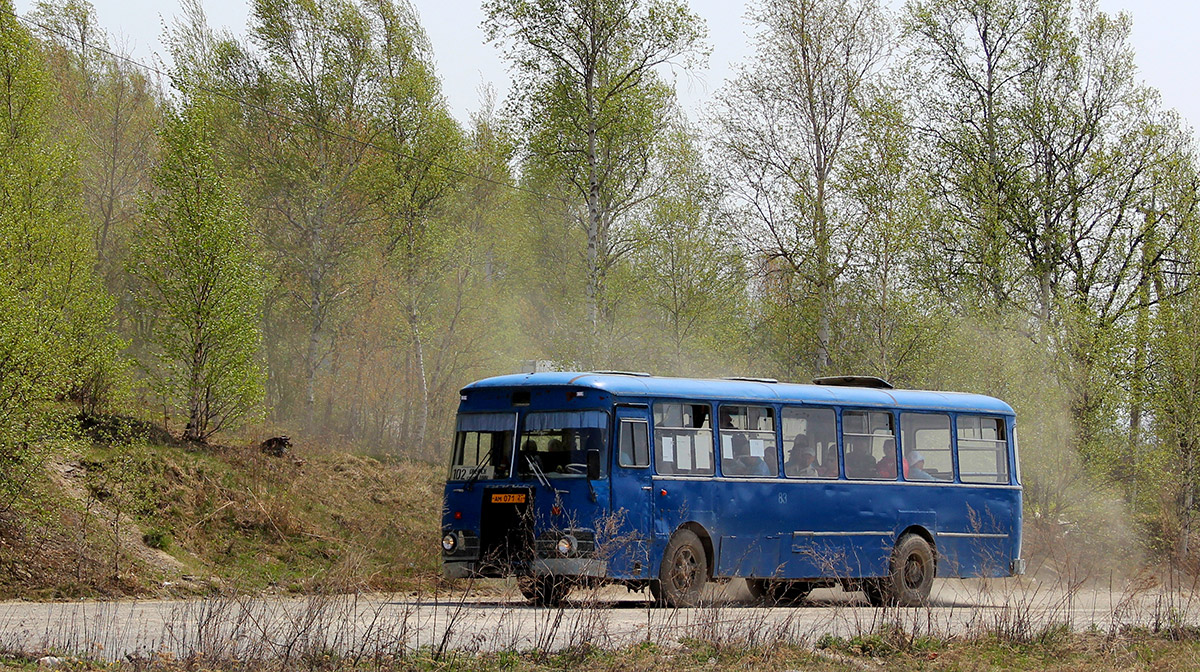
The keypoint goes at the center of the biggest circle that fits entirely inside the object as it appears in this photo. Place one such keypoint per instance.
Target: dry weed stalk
(342, 624)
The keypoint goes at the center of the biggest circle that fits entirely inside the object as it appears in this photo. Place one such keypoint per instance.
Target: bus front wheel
(544, 591)
(683, 573)
(911, 577)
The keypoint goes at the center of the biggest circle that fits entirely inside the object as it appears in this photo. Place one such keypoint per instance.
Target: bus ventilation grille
(854, 381)
(750, 379)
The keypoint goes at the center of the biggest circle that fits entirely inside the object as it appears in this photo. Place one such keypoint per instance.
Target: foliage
(984, 199)
(594, 110)
(785, 127)
(689, 274)
(197, 254)
(55, 318)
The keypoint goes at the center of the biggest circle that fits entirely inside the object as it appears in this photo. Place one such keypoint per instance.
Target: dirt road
(380, 625)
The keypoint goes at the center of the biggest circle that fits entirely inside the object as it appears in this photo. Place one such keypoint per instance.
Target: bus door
(631, 495)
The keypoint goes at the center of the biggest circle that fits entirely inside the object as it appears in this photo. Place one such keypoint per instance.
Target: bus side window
(682, 439)
(809, 442)
(927, 453)
(635, 448)
(748, 441)
(982, 449)
(868, 436)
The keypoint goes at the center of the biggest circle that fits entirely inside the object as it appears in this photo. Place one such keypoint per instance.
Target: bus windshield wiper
(478, 471)
(537, 470)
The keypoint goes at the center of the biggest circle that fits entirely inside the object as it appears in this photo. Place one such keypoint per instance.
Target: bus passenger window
(809, 442)
(982, 449)
(748, 441)
(926, 447)
(635, 449)
(868, 436)
(682, 439)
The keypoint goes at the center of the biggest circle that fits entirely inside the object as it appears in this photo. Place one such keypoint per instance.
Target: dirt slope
(129, 511)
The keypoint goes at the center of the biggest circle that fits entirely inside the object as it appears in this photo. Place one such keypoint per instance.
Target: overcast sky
(1164, 36)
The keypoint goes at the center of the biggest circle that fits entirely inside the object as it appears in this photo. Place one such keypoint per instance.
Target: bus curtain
(535, 422)
(486, 422)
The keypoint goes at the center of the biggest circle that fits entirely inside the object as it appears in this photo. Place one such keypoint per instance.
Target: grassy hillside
(124, 509)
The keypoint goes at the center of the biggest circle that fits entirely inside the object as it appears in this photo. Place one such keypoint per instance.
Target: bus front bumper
(589, 567)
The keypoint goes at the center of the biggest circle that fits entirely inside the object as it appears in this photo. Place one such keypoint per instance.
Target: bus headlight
(566, 545)
(449, 543)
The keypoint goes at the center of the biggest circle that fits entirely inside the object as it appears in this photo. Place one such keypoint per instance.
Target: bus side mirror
(593, 464)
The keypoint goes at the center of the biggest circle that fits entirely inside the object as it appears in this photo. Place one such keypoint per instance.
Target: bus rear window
(482, 446)
(683, 439)
(982, 450)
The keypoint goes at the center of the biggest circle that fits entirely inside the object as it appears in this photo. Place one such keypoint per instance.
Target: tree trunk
(1137, 383)
(825, 294)
(1189, 502)
(194, 430)
(310, 362)
(422, 379)
(594, 288)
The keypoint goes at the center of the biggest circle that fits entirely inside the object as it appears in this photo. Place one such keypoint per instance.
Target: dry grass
(1003, 625)
(1080, 653)
(224, 517)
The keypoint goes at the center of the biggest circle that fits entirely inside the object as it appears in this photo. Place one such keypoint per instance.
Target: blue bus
(664, 483)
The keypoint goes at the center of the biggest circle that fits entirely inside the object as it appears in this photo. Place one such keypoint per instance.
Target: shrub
(157, 537)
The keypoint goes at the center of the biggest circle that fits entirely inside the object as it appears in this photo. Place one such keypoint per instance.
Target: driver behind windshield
(562, 451)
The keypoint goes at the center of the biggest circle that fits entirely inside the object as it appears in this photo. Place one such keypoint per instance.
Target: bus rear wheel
(683, 572)
(778, 591)
(544, 591)
(911, 576)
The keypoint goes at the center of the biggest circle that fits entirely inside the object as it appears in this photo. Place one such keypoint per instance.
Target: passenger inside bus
(529, 455)
(916, 468)
(743, 463)
(829, 465)
(859, 463)
(887, 463)
(802, 461)
(556, 456)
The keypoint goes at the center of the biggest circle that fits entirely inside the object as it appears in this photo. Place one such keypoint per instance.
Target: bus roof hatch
(854, 381)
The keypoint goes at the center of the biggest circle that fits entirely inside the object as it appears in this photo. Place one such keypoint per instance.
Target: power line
(278, 114)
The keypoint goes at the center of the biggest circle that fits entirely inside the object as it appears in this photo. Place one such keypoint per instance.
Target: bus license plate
(508, 498)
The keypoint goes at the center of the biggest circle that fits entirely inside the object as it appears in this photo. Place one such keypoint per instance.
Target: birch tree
(965, 81)
(307, 173)
(198, 255)
(593, 103)
(783, 128)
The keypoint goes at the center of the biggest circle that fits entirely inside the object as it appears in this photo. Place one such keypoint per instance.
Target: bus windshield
(556, 443)
(483, 446)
